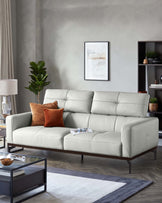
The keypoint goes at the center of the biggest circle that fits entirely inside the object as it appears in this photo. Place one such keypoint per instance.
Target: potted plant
(38, 78)
(151, 56)
(153, 104)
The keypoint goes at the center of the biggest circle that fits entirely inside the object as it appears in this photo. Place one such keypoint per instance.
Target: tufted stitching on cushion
(117, 102)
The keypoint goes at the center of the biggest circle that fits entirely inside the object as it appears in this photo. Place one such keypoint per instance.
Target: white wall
(55, 31)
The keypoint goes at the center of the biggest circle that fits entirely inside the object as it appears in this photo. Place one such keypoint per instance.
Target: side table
(3, 136)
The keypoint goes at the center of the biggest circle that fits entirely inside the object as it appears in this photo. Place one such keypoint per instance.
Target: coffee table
(34, 176)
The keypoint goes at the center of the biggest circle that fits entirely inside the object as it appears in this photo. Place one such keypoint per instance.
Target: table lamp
(7, 87)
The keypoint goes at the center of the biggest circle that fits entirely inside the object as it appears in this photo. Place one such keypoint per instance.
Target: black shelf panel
(155, 112)
(152, 65)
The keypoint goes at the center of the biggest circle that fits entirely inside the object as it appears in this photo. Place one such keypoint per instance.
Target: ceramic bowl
(6, 161)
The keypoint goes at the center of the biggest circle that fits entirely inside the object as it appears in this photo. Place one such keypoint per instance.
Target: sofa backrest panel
(70, 100)
(104, 103)
(79, 101)
(102, 122)
(76, 120)
(58, 95)
(120, 103)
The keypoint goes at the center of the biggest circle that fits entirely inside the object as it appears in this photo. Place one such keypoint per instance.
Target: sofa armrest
(16, 121)
(139, 136)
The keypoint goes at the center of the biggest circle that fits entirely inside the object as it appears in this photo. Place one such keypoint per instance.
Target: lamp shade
(8, 87)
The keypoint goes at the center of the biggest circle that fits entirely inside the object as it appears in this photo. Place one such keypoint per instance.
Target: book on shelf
(156, 85)
(15, 173)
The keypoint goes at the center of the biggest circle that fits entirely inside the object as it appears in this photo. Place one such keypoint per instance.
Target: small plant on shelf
(153, 57)
(153, 104)
(152, 54)
(153, 100)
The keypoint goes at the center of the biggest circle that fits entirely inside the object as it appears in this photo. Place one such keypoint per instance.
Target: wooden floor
(144, 167)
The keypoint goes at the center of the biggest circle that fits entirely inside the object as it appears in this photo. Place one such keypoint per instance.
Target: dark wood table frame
(10, 186)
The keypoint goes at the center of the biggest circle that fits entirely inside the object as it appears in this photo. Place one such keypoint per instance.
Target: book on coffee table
(76, 131)
(15, 173)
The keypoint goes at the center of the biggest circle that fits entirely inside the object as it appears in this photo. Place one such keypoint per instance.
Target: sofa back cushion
(76, 120)
(102, 122)
(71, 100)
(120, 103)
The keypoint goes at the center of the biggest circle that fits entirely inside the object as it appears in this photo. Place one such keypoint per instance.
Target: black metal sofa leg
(130, 166)
(155, 154)
(82, 158)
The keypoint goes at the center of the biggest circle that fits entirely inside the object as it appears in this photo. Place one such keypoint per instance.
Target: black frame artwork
(96, 60)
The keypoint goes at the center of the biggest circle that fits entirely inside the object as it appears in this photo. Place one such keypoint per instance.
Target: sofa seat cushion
(40, 136)
(108, 143)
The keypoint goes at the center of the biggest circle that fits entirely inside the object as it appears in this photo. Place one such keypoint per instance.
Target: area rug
(67, 186)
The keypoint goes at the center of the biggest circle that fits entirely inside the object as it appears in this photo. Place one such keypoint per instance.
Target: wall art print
(96, 60)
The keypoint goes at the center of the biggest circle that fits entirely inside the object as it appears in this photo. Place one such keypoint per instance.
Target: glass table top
(19, 161)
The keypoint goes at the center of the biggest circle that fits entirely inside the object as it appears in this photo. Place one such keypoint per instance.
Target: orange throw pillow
(53, 118)
(38, 114)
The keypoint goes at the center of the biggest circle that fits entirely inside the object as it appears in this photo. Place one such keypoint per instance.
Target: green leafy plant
(38, 78)
(152, 54)
(153, 100)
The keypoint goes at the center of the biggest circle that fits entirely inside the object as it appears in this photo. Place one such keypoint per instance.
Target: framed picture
(96, 61)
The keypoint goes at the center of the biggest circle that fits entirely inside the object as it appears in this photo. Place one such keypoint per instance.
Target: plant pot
(153, 107)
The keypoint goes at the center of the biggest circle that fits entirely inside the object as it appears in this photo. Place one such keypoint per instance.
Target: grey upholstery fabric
(52, 95)
(120, 103)
(70, 100)
(139, 136)
(17, 121)
(76, 120)
(108, 143)
(79, 101)
(40, 136)
(102, 123)
(118, 121)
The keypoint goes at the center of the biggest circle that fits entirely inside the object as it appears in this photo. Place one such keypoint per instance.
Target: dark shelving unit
(148, 73)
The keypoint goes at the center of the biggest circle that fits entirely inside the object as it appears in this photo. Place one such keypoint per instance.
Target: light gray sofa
(118, 120)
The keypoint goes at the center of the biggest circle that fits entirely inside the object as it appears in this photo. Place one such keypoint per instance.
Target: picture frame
(96, 60)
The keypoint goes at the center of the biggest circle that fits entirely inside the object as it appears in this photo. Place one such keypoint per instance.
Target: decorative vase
(153, 107)
(145, 61)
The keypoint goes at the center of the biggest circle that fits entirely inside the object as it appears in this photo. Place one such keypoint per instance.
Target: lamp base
(6, 105)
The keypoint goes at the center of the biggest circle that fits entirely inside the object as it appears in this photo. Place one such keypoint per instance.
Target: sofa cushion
(104, 103)
(132, 104)
(80, 142)
(100, 143)
(102, 123)
(120, 103)
(53, 118)
(79, 101)
(38, 114)
(76, 120)
(107, 143)
(58, 95)
(40, 136)
(71, 100)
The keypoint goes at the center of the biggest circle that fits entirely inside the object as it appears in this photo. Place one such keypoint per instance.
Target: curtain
(6, 46)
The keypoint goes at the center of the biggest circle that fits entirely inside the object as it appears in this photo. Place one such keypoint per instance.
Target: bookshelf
(148, 73)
